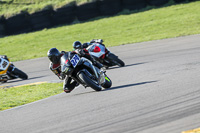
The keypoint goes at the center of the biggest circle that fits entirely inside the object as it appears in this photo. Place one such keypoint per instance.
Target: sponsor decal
(107, 79)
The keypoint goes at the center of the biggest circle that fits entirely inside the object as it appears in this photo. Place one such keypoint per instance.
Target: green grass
(155, 24)
(10, 7)
(13, 97)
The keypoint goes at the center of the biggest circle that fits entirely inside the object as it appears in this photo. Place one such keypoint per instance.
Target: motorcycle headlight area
(68, 70)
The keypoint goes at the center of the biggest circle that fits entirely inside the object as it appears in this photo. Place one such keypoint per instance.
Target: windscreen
(65, 63)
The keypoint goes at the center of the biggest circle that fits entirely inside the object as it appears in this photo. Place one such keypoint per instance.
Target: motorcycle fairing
(65, 64)
(4, 64)
(94, 52)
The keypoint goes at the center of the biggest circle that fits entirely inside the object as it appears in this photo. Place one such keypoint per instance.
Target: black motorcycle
(84, 72)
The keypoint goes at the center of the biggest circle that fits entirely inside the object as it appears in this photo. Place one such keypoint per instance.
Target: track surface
(158, 91)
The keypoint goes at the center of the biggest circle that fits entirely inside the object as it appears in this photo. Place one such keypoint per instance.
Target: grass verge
(17, 96)
(11, 7)
(155, 24)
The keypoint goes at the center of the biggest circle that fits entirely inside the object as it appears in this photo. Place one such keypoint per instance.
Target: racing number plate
(3, 64)
(75, 60)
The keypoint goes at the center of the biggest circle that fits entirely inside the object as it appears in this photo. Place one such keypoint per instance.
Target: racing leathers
(84, 53)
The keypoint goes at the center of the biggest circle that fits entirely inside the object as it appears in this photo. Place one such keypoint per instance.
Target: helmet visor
(54, 59)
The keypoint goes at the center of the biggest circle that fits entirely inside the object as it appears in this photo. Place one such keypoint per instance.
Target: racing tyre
(108, 83)
(119, 62)
(113, 58)
(89, 82)
(20, 74)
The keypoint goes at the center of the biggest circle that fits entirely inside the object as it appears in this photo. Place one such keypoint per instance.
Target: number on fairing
(3, 64)
(75, 59)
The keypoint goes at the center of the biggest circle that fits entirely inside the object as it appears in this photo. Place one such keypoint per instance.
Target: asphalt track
(158, 91)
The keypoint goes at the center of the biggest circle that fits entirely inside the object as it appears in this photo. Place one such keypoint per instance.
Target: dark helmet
(85, 45)
(54, 55)
(77, 45)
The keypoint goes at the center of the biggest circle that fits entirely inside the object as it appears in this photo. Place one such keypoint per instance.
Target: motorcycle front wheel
(108, 83)
(20, 74)
(113, 58)
(89, 82)
(119, 62)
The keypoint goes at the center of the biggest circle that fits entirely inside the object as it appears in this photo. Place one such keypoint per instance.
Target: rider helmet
(77, 45)
(85, 45)
(54, 55)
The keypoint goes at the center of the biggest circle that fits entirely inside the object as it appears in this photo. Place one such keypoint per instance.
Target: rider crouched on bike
(54, 56)
(80, 50)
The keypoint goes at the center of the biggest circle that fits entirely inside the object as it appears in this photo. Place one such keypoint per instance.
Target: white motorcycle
(8, 71)
(98, 50)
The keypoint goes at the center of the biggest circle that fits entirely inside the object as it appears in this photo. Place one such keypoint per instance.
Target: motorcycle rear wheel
(89, 82)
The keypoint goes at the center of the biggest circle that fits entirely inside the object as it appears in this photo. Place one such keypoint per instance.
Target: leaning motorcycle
(84, 72)
(8, 71)
(104, 56)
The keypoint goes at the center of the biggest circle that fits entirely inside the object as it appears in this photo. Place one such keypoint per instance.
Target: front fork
(89, 64)
(99, 75)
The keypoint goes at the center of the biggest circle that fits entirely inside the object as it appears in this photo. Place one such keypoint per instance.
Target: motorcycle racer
(101, 54)
(54, 56)
(8, 71)
(78, 48)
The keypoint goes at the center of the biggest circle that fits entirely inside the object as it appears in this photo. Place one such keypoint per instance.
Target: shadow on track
(18, 80)
(37, 77)
(39, 71)
(117, 87)
(85, 93)
(13, 80)
(127, 65)
(129, 85)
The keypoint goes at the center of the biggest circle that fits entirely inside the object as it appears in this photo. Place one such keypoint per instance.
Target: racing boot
(68, 87)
